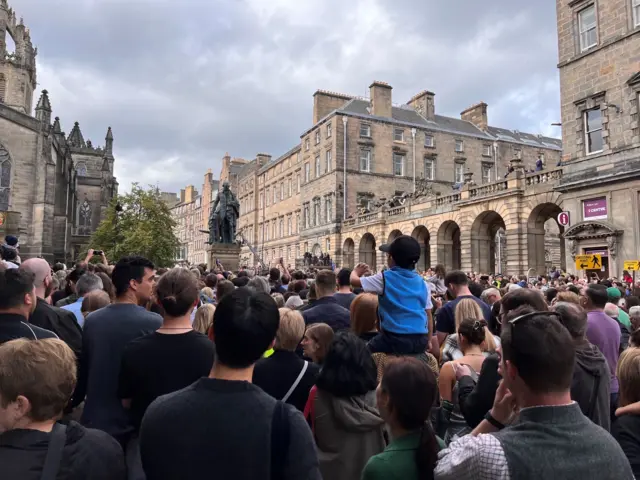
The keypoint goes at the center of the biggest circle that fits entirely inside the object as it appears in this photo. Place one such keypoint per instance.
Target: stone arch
(348, 253)
(5, 178)
(393, 235)
(449, 247)
(367, 251)
(421, 234)
(545, 234)
(84, 218)
(487, 242)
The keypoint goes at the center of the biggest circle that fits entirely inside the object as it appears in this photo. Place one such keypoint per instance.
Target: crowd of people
(128, 371)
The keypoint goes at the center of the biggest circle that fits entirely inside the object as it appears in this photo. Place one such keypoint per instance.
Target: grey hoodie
(348, 431)
(591, 372)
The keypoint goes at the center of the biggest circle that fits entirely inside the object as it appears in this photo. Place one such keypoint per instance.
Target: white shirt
(473, 458)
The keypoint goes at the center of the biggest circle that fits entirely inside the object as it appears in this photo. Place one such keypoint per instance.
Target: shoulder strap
(296, 383)
(279, 441)
(384, 284)
(57, 440)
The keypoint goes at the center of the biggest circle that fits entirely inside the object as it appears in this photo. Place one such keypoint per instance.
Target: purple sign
(595, 209)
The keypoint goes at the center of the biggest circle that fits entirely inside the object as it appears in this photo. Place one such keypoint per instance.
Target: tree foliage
(143, 227)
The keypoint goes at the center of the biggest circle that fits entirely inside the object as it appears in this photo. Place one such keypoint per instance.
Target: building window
(398, 165)
(327, 247)
(297, 251)
(459, 173)
(307, 172)
(328, 130)
(81, 169)
(587, 24)
(275, 195)
(593, 131)
(328, 159)
(289, 228)
(517, 153)
(317, 166)
(316, 212)
(363, 201)
(268, 197)
(365, 160)
(365, 130)
(84, 220)
(430, 169)
(428, 141)
(398, 135)
(281, 227)
(486, 150)
(282, 191)
(290, 188)
(267, 231)
(298, 157)
(459, 146)
(298, 182)
(486, 174)
(317, 137)
(327, 208)
(636, 13)
(275, 234)
(306, 216)
(306, 144)
(297, 222)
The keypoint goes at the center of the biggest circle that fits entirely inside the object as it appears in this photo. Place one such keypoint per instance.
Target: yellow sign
(631, 265)
(589, 262)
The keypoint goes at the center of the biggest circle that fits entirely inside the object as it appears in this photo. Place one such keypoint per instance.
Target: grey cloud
(192, 80)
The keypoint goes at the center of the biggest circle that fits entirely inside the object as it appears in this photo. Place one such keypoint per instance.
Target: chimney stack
(477, 114)
(182, 192)
(326, 102)
(425, 104)
(263, 159)
(381, 104)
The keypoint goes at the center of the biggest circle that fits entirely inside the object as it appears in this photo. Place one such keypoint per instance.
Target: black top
(276, 374)
(626, 430)
(476, 399)
(60, 321)
(13, 326)
(106, 334)
(345, 299)
(221, 429)
(87, 454)
(327, 310)
(158, 364)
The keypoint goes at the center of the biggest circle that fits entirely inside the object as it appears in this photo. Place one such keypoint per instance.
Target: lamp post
(118, 209)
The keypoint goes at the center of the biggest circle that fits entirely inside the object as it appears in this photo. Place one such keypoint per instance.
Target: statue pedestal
(227, 253)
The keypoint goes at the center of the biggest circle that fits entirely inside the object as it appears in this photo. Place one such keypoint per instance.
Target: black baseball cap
(404, 250)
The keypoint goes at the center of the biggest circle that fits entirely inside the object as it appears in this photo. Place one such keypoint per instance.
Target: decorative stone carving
(573, 248)
(612, 243)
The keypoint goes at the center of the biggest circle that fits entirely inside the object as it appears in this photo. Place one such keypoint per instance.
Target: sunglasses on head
(520, 318)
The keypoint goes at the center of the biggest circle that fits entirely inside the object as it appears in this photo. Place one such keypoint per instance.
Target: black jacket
(327, 310)
(626, 430)
(590, 386)
(276, 374)
(88, 454)
(59, 321)
(476, 399)
(13, 326)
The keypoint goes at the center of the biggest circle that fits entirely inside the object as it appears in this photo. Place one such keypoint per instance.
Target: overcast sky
(184, 81)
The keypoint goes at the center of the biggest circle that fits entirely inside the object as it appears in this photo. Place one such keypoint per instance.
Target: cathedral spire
(56, 126)
(75, 137)
(43, 109)
(108, 149)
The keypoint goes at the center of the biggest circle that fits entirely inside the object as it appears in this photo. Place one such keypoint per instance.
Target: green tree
(143, 227)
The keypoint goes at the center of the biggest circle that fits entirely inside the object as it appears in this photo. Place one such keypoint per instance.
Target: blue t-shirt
(446, 318)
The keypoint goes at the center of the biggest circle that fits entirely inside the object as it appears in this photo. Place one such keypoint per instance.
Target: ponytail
(427, 452)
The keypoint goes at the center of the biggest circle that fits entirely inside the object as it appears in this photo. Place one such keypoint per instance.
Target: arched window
(5, 179)
(81, 169)
(84, 218)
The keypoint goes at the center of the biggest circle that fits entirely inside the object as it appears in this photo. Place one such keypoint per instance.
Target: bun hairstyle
(177, 292)
(473, 330)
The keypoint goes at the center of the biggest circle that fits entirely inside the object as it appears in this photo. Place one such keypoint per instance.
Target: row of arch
(488, 238)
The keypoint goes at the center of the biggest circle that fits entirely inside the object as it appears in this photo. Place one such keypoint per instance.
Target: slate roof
(408, 116)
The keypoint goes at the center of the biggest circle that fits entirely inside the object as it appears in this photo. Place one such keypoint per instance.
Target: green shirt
(397, 462)
(623, 318)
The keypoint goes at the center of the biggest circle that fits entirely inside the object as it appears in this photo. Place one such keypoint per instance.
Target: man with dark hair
(344, 295)
(62, 322)
(326, 308)
(457, 284)
(590, 386)
(211, 280)
(72, 280)
(235, 429)
(106, 333)
(551, 438)
(224, 288)
(17, 302)
(604, 332)
(550, 294)
(87, 283)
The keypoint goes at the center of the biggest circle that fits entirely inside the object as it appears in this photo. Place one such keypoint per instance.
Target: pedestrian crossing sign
(631, 265)
(589, 262)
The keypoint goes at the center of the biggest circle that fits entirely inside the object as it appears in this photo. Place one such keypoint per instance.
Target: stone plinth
(227, 254)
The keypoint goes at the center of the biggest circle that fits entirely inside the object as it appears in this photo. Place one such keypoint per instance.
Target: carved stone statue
(573, 248)
(612, 243)
(224, 215)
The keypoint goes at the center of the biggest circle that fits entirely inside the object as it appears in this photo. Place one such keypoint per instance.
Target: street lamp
(118, 210)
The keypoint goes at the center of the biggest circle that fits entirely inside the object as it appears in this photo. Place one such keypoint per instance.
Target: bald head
(42, 272)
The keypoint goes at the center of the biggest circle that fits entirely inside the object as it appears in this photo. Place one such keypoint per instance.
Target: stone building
(599, 62)
(54, 189)
(363, 155)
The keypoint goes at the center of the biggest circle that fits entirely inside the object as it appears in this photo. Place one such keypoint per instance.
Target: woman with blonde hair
(204, 318)
(284, 375)
(364, 316)
(626, 427)
(467, 308)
